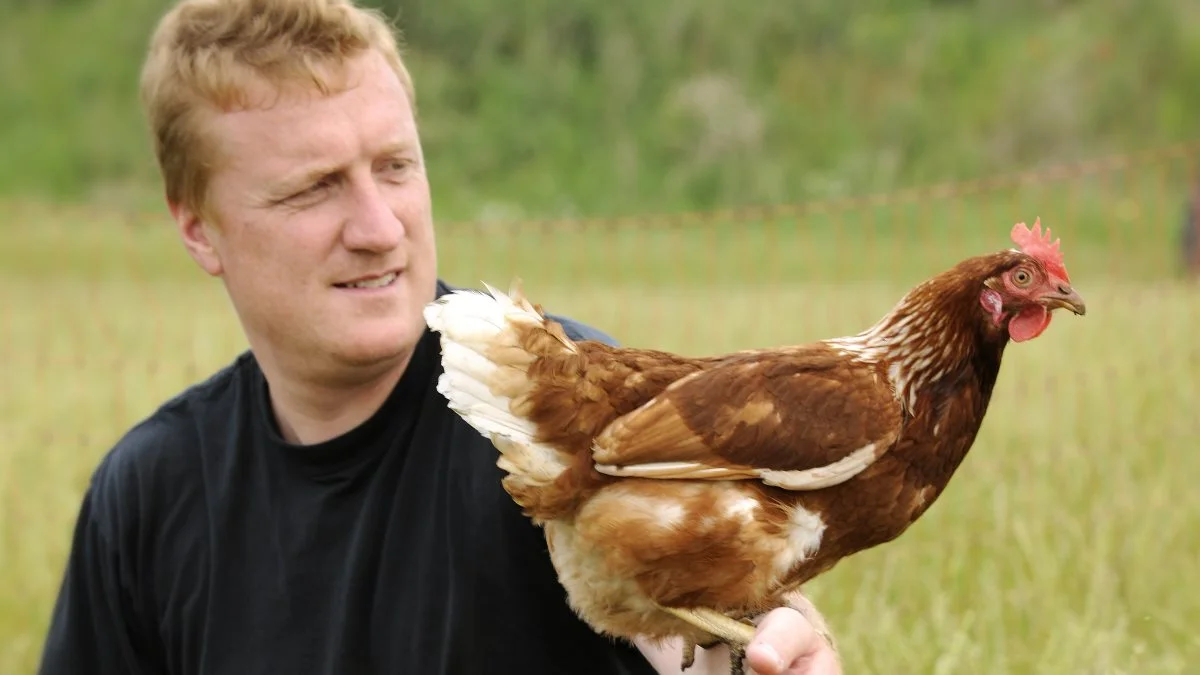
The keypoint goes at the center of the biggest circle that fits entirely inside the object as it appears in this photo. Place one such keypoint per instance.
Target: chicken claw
(732, 632)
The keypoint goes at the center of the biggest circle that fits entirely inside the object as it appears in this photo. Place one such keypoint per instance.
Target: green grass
(1067, 543)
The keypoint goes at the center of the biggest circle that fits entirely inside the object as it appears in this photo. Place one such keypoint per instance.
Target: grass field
(1068, 543)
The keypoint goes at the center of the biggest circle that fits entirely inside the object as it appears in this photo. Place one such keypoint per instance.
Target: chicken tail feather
(728, 630)
(488, 342)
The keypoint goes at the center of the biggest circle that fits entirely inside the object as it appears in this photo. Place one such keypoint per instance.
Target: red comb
(1039, 246)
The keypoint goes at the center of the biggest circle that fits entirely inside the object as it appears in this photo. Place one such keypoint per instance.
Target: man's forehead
(294, 124)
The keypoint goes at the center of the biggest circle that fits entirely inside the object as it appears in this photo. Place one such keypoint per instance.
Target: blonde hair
(205, 56)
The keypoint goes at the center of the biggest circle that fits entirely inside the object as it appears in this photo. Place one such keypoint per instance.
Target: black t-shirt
(207, 544)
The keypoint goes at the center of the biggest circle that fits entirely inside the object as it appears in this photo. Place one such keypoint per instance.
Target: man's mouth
(371, 282)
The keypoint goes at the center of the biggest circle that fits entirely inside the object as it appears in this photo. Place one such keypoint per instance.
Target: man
(314, 507)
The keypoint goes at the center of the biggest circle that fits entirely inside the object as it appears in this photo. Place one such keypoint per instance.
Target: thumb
(783, 637)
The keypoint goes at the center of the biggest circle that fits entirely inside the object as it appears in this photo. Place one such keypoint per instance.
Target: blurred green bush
(616, 106)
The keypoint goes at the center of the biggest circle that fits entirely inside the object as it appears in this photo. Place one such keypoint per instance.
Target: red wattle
(1029, 323)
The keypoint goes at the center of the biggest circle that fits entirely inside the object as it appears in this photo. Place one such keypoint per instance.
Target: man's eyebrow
(397, 148)
(304, 177)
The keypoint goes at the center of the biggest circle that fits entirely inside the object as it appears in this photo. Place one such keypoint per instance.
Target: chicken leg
(732, 632)
(737, 655)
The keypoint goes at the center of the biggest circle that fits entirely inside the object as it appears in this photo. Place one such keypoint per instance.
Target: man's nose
(371, 225)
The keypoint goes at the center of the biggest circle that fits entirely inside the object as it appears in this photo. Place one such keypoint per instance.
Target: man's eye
(396, 165)
(314, 189)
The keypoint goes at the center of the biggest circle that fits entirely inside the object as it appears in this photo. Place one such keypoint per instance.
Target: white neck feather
(917, 343)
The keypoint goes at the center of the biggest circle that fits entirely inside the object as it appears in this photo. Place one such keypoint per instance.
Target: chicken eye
(1022, 277)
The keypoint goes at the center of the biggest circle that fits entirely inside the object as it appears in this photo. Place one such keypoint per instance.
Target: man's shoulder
(576, 330)
(181, 414)
(165, 442)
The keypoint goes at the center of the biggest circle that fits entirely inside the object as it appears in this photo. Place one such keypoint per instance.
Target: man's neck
(310, 411)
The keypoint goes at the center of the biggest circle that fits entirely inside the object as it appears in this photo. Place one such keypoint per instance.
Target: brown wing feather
(579, 393)
(799, 410)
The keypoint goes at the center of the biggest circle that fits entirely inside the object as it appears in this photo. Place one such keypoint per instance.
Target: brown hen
(680, 497)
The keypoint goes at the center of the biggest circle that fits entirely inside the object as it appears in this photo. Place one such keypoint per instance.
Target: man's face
(325, 237)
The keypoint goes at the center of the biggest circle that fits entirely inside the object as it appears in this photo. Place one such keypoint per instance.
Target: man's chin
(378, 345)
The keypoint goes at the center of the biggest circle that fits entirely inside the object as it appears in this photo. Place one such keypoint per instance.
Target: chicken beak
(1065, 298)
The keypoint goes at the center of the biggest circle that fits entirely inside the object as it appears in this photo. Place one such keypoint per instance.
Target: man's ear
(198, 235)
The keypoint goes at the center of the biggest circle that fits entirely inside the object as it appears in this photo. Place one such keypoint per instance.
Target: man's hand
(788, 641)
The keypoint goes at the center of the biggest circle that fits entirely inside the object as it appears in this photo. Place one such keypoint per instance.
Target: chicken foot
(732, 632)
(737, 655)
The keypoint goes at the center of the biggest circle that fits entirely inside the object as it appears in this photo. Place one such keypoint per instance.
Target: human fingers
(786, 643)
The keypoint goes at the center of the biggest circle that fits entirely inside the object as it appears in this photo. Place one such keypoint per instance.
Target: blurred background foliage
(604, 107)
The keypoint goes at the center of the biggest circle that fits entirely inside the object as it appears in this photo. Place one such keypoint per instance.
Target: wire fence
(696, 282)
(1166, 165)
(1127, 222)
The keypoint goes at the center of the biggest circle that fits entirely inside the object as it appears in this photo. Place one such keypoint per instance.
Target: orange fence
(1120, 217)
(1167, 166)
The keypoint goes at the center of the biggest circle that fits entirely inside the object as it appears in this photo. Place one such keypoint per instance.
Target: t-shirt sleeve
(579, 331)
(94, 626)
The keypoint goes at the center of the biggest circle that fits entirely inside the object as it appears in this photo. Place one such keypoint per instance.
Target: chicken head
(1025, 294)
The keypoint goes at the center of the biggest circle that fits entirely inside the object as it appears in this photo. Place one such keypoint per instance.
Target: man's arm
(92, 629)
(788, 641)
